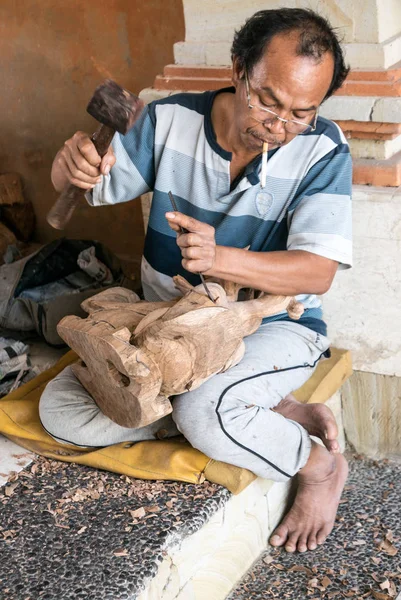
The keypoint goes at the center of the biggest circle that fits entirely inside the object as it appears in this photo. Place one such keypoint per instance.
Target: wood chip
(153, 509)
(121, 552)
(359, 542)
(380, 595)
(389, 536)
(325, 582)
(387, 547)
(301, 569)
(138, 513)
(9, 489)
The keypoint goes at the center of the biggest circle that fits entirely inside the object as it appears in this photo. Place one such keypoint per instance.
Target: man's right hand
(79, 163)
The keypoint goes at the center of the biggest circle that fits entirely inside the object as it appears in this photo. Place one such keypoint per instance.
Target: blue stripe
(139, 145)
(309, 319)
(332, 174)
(237, 232)
(163, 254)
(327, 128)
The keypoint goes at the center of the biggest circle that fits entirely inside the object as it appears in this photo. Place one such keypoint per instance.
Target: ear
(238, 72)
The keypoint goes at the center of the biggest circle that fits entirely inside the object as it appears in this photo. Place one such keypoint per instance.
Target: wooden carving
(136, 354)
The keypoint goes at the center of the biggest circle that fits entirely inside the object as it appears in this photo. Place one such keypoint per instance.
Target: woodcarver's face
(291, 86)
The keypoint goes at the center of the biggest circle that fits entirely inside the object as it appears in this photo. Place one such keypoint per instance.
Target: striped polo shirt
(305, 205)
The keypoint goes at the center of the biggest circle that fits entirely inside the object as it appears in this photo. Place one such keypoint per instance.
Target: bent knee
(200, 426)
(62, 402)
(48, 409)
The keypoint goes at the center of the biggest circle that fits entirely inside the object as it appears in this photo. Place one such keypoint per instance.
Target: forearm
(281, 273)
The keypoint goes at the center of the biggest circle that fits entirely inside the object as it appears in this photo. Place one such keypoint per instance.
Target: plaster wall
(362, 308)
(53, 54)
(371, 38)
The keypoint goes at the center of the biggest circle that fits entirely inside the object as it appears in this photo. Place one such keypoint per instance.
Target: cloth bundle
(14, 364)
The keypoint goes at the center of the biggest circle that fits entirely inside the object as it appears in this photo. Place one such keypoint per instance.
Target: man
(206, 148)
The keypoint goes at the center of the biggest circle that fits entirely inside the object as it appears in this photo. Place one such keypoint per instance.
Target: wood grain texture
(372, 414)
(137, 354)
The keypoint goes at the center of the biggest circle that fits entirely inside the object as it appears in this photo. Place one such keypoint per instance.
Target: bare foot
(317, 419)
(311, 517)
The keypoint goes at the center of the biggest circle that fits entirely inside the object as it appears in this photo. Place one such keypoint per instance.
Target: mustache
(270, 140)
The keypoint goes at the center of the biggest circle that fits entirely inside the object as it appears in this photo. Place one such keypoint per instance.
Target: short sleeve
(320, 217)
(133, 173)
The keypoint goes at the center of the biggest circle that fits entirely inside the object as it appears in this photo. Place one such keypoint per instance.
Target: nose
(275, 126)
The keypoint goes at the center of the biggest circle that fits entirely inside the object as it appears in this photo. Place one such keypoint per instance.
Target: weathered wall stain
(52, 56)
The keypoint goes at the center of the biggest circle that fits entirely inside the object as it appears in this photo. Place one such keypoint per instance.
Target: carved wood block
(136, 354)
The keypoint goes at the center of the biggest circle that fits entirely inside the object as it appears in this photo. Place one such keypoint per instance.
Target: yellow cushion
(327, 378)
(159, 459)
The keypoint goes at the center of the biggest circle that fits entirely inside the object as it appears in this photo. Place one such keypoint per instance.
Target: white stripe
(157, 286)
(182, 129)
(322, 213)
(122, 184)
(296, 158)
(204, 189)
(309, 300)
(330, 246)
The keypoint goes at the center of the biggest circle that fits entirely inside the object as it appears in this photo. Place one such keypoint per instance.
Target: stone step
(75, 533)
(360, 82)
(209, 563)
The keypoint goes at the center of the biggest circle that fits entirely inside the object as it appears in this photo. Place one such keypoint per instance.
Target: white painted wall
(363, 307)
(370, 29)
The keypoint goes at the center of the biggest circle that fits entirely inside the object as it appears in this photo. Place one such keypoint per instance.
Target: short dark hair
(316, 37)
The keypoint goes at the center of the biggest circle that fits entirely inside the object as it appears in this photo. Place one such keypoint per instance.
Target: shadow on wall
(52, 57)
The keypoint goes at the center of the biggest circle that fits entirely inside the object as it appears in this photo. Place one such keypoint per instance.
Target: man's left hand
(198, 246)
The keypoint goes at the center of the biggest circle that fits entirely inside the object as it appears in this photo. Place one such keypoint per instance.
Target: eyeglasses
(268, 117)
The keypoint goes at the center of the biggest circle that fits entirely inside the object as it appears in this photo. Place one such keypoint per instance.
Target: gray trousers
(229, 418)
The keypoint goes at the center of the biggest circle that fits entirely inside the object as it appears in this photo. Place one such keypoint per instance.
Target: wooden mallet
(117, 110)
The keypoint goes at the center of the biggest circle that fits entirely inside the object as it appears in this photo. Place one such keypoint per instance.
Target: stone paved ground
(361, 559)
(68, 532)
(57, 519)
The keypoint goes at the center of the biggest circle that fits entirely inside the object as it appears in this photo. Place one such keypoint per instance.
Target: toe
(302, 545)
(312, 543)
(291, 544)
(279, 536)
(331, 430)
(332, 446)
(321, 537)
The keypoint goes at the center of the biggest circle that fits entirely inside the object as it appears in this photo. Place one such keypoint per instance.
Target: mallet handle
(62, 210)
